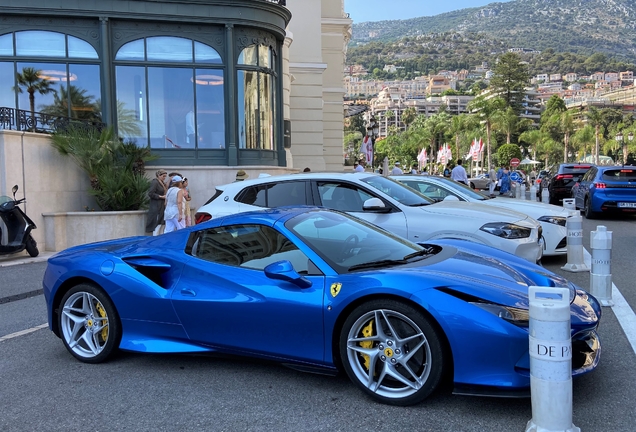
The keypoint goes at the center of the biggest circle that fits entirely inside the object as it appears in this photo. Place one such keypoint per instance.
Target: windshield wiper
(422, 204)
(421, 253)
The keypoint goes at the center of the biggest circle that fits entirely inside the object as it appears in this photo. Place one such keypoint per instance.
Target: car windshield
(463, 189)
(345, 242)
(399, 192)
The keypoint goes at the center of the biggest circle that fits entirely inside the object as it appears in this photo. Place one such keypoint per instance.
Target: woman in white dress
(173, 214)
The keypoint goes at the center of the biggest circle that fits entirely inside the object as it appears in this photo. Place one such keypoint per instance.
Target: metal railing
(23, 120)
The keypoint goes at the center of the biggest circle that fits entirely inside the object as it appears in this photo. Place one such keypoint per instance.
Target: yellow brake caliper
(102, 312)
(367, 331)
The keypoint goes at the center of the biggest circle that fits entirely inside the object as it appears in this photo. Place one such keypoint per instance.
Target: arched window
(50, 72)
(256, 98)
(170, 93)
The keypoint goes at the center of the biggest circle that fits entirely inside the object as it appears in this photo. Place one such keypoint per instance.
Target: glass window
(264, 56)
(6, 45)
(248, 113)
(403, 194)
(171, 107)
(84, 91)
(250, 246)
(254, 195)
(78, 48)
(287, 193)
(248, 56)
(49, 78)
(7, 80)
(206, 54)
(266, 108)
(342, 196)
(210, 115)
(132, 121)
(169, 49)
(40, 44)
(132, 51)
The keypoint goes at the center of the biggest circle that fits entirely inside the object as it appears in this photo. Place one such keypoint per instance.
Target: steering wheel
(348, 246)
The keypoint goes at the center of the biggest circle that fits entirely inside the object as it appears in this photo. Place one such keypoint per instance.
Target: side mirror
(451, 198)
(14, 190)
(375, 205)
(284, 270)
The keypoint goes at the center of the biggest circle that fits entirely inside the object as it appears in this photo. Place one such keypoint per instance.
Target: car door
(350, 198)
(224, 298)
(582, 187)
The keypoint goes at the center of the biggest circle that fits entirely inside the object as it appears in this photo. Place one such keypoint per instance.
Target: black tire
(32, 246)
(423, 357)
(98, 316)
(472, 185)
(587, 210)
(553, 200)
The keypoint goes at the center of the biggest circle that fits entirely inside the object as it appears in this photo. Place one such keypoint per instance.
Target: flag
(422, 158)
(172, 142)
(475, 150)
(449, 153)
(367, 149)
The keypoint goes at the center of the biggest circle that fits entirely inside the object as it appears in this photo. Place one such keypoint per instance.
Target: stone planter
(63, 230)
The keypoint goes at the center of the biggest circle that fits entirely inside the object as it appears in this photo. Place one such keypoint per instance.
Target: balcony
(22, 120)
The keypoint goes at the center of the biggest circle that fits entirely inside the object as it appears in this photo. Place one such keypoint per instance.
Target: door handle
(188, 292)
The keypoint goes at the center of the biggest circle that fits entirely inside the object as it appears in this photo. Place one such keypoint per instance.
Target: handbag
(499, 182)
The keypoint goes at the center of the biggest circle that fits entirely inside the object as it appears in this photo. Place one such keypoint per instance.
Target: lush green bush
(115, 169)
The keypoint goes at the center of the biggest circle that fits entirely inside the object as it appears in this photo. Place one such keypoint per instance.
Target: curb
(17, 259)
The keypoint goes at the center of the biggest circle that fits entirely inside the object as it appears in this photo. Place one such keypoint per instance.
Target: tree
(582, 138)
(458, 126)
(595, 118)
(486, 110)
(409, 115)
(32, 82)
(508, 122)
(82, 107)
(506, 153)
(510, 80)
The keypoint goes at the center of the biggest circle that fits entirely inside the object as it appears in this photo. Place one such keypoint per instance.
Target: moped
(15, 227)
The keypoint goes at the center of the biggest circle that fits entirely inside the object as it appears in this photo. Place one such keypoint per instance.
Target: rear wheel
(587, 210)
(32, 246)
(553, 200)
(392, 352)
(472, 185)
(89, 324)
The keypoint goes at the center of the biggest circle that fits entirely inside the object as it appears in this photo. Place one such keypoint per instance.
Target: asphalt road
(43, 388)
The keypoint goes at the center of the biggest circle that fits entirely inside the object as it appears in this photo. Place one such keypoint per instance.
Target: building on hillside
(571, 77)
(438, 84)
(542, 78)
(555, 77)
(627, 76)
(597, 76)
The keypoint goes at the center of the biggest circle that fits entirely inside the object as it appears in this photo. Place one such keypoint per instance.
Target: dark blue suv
(605, 189)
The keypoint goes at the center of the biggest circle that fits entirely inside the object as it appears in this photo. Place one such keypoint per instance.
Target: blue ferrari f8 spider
(325, 291)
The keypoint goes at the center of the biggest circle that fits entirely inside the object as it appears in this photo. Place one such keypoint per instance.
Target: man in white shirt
(396, 169)
(357, 167)
(459, 173)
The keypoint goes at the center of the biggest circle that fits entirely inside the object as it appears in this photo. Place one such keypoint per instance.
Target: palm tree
(509, 122)
(458, 126)
(31, 80)
(83, 107)
(568, 127)
(582, 138)
(389, 115)
(535, 138)
(595, 118)
(409, 115)
(487, 110)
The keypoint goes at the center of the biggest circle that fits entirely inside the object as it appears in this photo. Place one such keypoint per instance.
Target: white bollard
(523, 191)
(601, 272)
(517, 190)
(550, 360)
(576, 263)
(533, 193)
(545, 196)
(568, 203)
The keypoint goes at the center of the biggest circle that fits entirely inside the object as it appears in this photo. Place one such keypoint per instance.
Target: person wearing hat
(396, 169)
(241, 175)
(157, 195)
(357, 167)
(173, 214)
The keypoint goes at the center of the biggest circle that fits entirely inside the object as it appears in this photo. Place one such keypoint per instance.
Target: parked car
(318, 291)
(386, 203)
(606, 189)
(482, 181)
(551, 217)
(560, 182)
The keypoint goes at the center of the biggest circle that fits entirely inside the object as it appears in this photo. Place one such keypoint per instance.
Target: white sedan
(386, 203)
(552, 217)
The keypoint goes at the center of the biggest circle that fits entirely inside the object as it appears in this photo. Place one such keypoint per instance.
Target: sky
(380, 10)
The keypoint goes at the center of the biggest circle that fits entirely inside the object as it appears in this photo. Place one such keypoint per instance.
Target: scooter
(15, 227)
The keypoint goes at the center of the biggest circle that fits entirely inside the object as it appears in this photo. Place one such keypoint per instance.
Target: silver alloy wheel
(84, 324)
(394, 361)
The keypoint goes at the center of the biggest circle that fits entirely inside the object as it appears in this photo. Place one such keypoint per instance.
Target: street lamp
(619, 139)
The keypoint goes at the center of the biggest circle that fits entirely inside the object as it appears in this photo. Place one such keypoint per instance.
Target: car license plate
(627, 205)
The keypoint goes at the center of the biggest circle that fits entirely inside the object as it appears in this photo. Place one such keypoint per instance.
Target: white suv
(386, 203)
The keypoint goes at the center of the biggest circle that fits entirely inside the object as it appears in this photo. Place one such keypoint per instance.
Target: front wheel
(32, 246)
(89, 324)
(392, 352)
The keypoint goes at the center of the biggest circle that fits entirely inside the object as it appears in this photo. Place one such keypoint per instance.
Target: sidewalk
(23, 258)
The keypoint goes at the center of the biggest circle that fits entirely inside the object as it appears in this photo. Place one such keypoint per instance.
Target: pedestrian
(171, 176)
(492, 176)
(459, 173)
(357, 167)
(187, 220)
(396, 169)
(447, 170)
(241, 175)
(174, 205)
(413, 169)
(157, 195)
(505, 182)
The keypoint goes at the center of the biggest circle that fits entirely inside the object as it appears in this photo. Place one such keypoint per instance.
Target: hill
(576, 26)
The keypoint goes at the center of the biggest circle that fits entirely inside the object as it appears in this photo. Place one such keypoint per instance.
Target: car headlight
(507, 230)
(557, 220)
(516, 316)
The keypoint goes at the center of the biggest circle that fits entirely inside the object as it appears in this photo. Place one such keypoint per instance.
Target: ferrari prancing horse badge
(335, 288)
